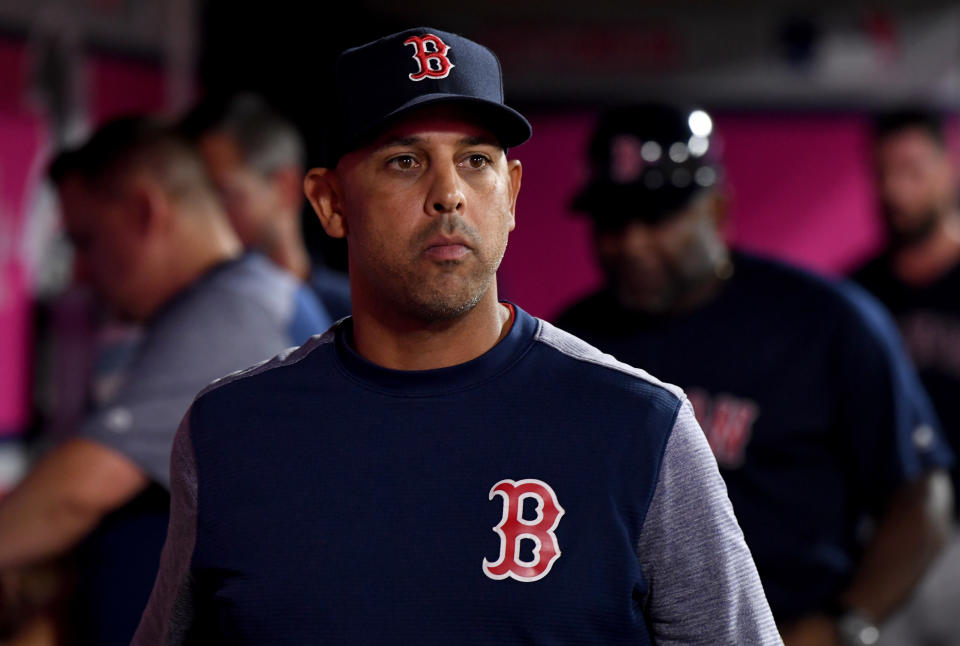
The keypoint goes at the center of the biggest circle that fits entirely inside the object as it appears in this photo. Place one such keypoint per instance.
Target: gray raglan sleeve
(170, 616)
(703, 584)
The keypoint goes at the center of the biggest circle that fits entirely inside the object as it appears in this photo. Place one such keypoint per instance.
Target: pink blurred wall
(115, 87)
(801, 188)
(23, 138)
(548, 258)
(121, 87)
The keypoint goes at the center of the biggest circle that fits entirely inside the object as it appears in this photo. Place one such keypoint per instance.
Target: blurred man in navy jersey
(813, 413)
(917, 276)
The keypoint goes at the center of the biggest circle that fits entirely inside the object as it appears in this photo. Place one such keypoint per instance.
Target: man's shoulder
(803, 289)
(246, 283)
(251, 296)
(765, 269)
(225, 319)
(852, 312)
(597, 365)
(256, 278)
(258, 374)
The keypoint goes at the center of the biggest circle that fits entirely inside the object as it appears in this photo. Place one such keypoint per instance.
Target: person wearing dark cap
(826, 441)
(442, 467)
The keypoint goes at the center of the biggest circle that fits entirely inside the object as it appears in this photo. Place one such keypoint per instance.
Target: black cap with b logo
(647, 162)
(383, 80)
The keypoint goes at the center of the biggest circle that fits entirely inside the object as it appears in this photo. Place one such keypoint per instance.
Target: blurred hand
(816, 630)
(30, 601)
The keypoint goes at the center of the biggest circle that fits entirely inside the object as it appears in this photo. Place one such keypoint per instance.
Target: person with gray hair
(256, 159)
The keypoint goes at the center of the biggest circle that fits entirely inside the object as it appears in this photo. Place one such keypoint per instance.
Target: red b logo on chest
(431, 55)
(513, 528)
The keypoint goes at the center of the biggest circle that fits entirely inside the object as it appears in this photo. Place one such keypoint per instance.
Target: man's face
(428, 209)
(652, 267)
(107, 246)
(250, 199)
(915, 181)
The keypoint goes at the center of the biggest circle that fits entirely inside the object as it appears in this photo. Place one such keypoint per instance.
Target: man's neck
(926, 261)
(286, 249)
(400, 343)
(203, 243)
(699, 293)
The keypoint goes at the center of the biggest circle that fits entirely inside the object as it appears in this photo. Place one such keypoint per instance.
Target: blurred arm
(911, 533)
(903, 483)
(62, 499)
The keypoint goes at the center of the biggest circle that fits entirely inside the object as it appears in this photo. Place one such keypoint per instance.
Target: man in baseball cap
(376, 86)
(654, 155)
(814, 414)
(649, 164)
(442, 467)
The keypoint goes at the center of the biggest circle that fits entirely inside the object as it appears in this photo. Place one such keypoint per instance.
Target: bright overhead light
(700, 123)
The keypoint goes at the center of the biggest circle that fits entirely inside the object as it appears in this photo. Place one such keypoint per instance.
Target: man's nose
(446, 191)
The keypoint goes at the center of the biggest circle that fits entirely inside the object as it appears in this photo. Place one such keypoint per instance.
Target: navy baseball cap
(646, 163)
(381, 81)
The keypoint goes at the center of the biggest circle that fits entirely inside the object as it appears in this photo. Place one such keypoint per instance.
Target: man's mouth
(446, 248)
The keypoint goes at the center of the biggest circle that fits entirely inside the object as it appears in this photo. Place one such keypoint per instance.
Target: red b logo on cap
(431, 55)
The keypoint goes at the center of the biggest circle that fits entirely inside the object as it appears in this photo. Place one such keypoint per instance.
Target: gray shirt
(238, 314)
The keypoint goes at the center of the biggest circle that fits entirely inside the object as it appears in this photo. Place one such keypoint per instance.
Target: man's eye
(403, 162)
(477, 161)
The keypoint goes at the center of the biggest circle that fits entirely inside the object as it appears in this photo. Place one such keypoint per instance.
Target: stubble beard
(438, 292)
(432, 305)
(905, 237)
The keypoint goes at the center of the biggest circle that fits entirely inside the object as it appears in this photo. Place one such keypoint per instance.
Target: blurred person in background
(151, 238)
(256, 159)
(917, 276)
(823, 435)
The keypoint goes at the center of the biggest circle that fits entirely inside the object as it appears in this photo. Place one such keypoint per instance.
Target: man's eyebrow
(399, 141)
(472, 140)
(482, 140)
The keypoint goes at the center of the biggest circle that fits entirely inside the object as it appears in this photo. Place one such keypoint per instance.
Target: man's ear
(325, 194)
(515, 173)
(149, 206)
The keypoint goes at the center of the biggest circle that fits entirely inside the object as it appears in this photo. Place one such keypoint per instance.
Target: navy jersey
(808, 403)
(929, 320)
(541, 493)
